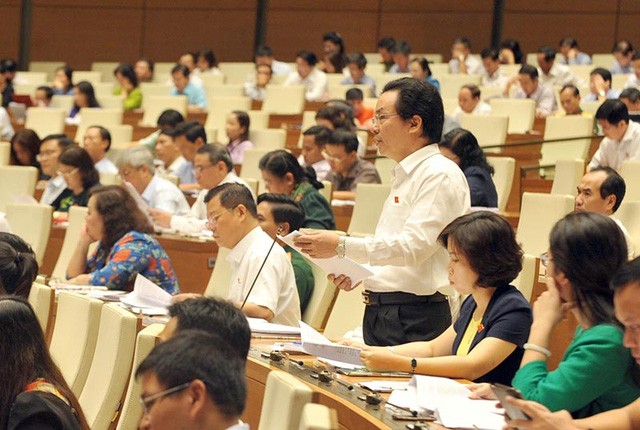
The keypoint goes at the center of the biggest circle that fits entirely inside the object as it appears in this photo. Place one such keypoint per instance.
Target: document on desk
(147, 297)
(264, 327)
(339, 266)
(316, 344)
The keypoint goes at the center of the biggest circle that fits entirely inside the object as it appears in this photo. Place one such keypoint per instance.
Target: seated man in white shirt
(601, 190)
(263, 284)
(461, 59)
(264, 55)
(600, 86)
(622, 137)
(401, 52)
(136, 167)
(549, 72)
(469, 102)
(313, 141)
(314, 80)
(97, 141)
(168, 152)
(50, 149)
(634, 77)
(256, 86)
(213, 166)
(530, 88)
(492, 75)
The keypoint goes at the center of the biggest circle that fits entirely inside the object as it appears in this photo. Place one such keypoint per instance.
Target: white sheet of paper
(259, 325)
(316, 344)
(338, 266)
(146, 294)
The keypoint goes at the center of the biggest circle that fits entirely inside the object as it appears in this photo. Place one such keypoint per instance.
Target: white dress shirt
(106, 166)
(164, 195)
(497, 80)
(632, 82)
(612, 153)
(474, 66)
(275, 287)
(195, 221)
(315, 84)
(543, 96)
(427, 193)
(559, 75)
(54, 187)
(6, 129)
(481, 108)
(176, 166)
(322, 167)
(627, 237)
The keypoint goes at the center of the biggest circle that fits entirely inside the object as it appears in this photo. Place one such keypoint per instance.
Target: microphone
(280, 228)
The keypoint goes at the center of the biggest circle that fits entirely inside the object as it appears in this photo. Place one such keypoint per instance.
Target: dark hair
(309, 57)
(347, 139)
(170, 117)
(217, 152)
(473, 89)
(613, 111)
(464, 41)
(530, 70)
(232, 195)
(149, 62)
(338, 61)
(492, 53)
(25, 358)
(281, 162)
(86, 88)
(244, 121)
(62, 140)
(48, 91)
(284, 209)
(401, 47)
(18, 265)
(192, 130)
(209, 57)
(633, 94)
(337, 115)
(217, 316)
(28, 140)
(606, 75)
(320, 133)
(9, 65)
(126, 70)
(574, 90)
(208, 357)
(423, 63)
(104, 135)
(422, 99)
(568, 41)
(387, 43)
(78, 157)
(589, 248)
(336, 39)
(179, 68)
(120, 214)
(549, 53)
(629, 273)
(635, 56)
(488, 242)
(465, 145)
(613, 184)
(358, 59)
(263, 51)
(354, 94)
(513, 46)
(623, 46)
(68, 72)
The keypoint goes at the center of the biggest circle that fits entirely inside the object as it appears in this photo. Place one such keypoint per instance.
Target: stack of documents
(262, 328)
(339, 355)
(147, 298)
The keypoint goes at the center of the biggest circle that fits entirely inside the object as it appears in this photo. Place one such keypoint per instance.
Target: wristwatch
(341, 249)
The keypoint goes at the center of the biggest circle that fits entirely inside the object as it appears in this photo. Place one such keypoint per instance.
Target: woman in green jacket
(129, 88)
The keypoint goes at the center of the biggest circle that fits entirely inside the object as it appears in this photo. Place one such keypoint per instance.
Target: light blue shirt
(186, 173)
(194, 93)
(366, 80)
(611, 94)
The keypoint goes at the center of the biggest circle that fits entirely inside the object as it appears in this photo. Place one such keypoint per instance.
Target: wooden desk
(342, 214)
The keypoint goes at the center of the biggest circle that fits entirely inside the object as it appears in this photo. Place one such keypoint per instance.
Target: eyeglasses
(212, 219)
(69, 173)
(545, 258)
(147, 402)
(328, 157)
(45, 154)
(199, 169)
(379, 117)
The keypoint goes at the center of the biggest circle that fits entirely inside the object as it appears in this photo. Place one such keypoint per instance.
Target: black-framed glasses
(147, 402)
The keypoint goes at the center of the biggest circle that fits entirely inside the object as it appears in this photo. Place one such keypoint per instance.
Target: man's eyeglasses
(379, 117)
(199, 169)
(69, 173)
(45, 154)
(147, 402)
(212, 219)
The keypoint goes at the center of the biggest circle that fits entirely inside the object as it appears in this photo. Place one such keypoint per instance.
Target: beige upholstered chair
(210, 80)
(521, 113)
(528, 276)
(250, 167)
(5, 153)
(630, 171)
(327, 190)
(566, 127)
(308, 120)
(284, 397)
(155, 105)
(504, 169)
(36, 78)
(268, 138)
(346, 314)
(77, 215)
(109, 101)
(151, 89)
(32, 222)
(131, 409)
(42, 300)
(62, 101)
(224, 90)
(567, 176)
(237, 72)
(45, 120)
(16, 181)
(450, 84)
(220, 279)
(259, 120)
(49, 67)
(318, 417)
(253, 185)
(629, 214)
(370, 199)
(488, 129)
(97, 116)
(74, 337)
(218, 109)
(107, 379)
(121, 136)
(107, 178)
(106, 68)
(283, 100)
(92, 76)
(321, 301)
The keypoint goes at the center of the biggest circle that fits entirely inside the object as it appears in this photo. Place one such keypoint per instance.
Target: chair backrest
(220, 279)
(521, 113)
(566, 127)
(92, 76)
(567, 176)
(284, 397)
(327, 190)
(42, 299)
(528, 276)
(450, 84)
(385, 167)
(151, 89)
(162, 71)
(618, 81)
(26, 89)
(268, 138)
(450, 105)
(322, 298)
(104, 92)
(155, 105)
(212, 80)
(97, 116)
(504, 169)
(629, 214)
(591, 106)
(370, 199)
(602, 60)
(111, 101)
(107, 178)
(308, 120)
(220, 107)
(488, 129)
(346, 314)
(16, 181)
(45, 120)
(74, 337)
(106, 68)
(131, 412)
(488, 93)
(121, 136)
(253, 185)
(259, 120)
(538, 215)
(224, 90)
(77, 215)
(318, 417)
(250, 167)
(237, 72)
(32, 222)
(630, 172)
(33, 78)
(62, 101)
(5, 153)
(49, 67)
(109, 373)
(283, 100)
(339, 91)
(439, 69)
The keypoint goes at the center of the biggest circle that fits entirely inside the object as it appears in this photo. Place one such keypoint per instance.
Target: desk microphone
(280, 228)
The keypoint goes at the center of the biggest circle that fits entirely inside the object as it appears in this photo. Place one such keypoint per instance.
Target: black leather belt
(378, 299)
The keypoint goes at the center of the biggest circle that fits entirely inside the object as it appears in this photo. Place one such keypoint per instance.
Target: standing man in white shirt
(622, 137)
(407, 296)
(313, 79)
(50, 149)
(461, 59)
(97, 141)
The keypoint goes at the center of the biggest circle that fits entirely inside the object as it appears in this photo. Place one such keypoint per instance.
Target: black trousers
(387, 325)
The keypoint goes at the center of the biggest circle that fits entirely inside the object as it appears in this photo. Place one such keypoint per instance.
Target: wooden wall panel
(10, 29)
